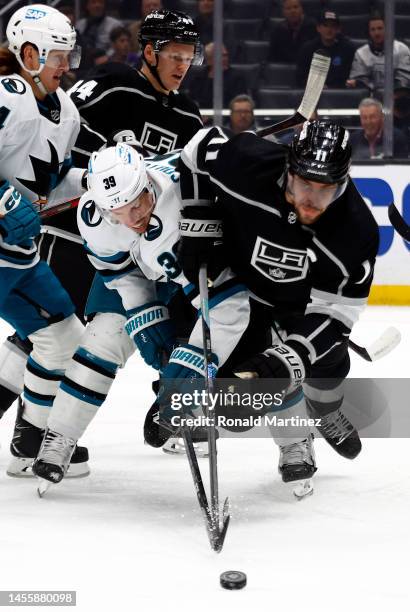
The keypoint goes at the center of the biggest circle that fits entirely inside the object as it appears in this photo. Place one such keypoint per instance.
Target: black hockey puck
(233, 580)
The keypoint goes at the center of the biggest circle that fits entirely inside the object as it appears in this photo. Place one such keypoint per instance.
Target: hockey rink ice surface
(131, 537)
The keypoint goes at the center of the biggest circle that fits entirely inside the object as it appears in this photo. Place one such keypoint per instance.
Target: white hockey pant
(53, 347)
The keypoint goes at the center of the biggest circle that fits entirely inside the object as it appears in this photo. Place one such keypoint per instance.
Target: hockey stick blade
(212, 530)
(389, 339)
(314, 87)
(398, 222)
(225, 524)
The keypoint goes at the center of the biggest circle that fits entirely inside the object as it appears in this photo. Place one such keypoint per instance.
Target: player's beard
(307, 212)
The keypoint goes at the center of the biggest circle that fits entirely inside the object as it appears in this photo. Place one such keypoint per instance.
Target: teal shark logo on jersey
(47, 173)
(154, 229)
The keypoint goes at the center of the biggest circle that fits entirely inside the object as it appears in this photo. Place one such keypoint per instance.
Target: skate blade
(303, 489)
(21, 468)
(43, 487)
(78, 470)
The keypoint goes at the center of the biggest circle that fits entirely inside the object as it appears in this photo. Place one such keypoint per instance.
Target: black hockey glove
(288, 361)
(201, 242)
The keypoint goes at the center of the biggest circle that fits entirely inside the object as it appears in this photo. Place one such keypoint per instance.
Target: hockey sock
(83, 389)
(40, 388)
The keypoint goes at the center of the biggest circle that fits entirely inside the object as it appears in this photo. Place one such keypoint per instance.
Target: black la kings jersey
(118, 98)
(323, 271)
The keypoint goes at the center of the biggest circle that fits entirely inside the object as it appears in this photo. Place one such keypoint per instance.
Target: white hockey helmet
(116, 176)
(47, 29)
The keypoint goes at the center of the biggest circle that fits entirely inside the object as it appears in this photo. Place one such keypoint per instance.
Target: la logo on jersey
(279, 263)
(157, 139)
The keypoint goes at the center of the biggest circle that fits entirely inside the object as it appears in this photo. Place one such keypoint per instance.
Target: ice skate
(338, 431)
(159, 431)
(53, 459)
(297, 463)
(26, 444)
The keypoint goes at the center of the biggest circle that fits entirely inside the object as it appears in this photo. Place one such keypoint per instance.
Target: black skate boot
(338, 431)
(158, 430)
(297, 460)
(26, 443)
(7, 398)
(54, 457)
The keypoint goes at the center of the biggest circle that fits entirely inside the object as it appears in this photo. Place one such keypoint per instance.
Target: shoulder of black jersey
(361, 227)
(116, 70)
(250, 167)
(254, 156)
(185, 103)
(110, 76)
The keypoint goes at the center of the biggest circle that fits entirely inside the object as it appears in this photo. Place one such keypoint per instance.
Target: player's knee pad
(53, 346)
(106, 338)
(13, 357)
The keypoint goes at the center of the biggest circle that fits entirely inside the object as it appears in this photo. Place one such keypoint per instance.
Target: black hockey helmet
(321, 152)
(164, 26)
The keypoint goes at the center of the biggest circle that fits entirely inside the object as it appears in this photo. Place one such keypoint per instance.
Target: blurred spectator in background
(242, 117)
(401, 111)
(95, 30)
(69, 78)
(340, 49)
(121, 48)
(368, 63)
(205, 20)
(68, 10)
(288, 36)
(147, 6)
(200, 81)
(367, 142)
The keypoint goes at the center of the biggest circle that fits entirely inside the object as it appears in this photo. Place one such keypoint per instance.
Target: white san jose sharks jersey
(36, 138)
(129, 262)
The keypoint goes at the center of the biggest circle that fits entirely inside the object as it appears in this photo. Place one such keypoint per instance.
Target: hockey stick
(199, 485)
(58, 208)
(44, 213)
(314, 87)
(219, 526)
(399, 223)
(380, 347)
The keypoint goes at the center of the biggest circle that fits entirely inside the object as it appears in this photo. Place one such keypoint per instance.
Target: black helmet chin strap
(154, 69)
